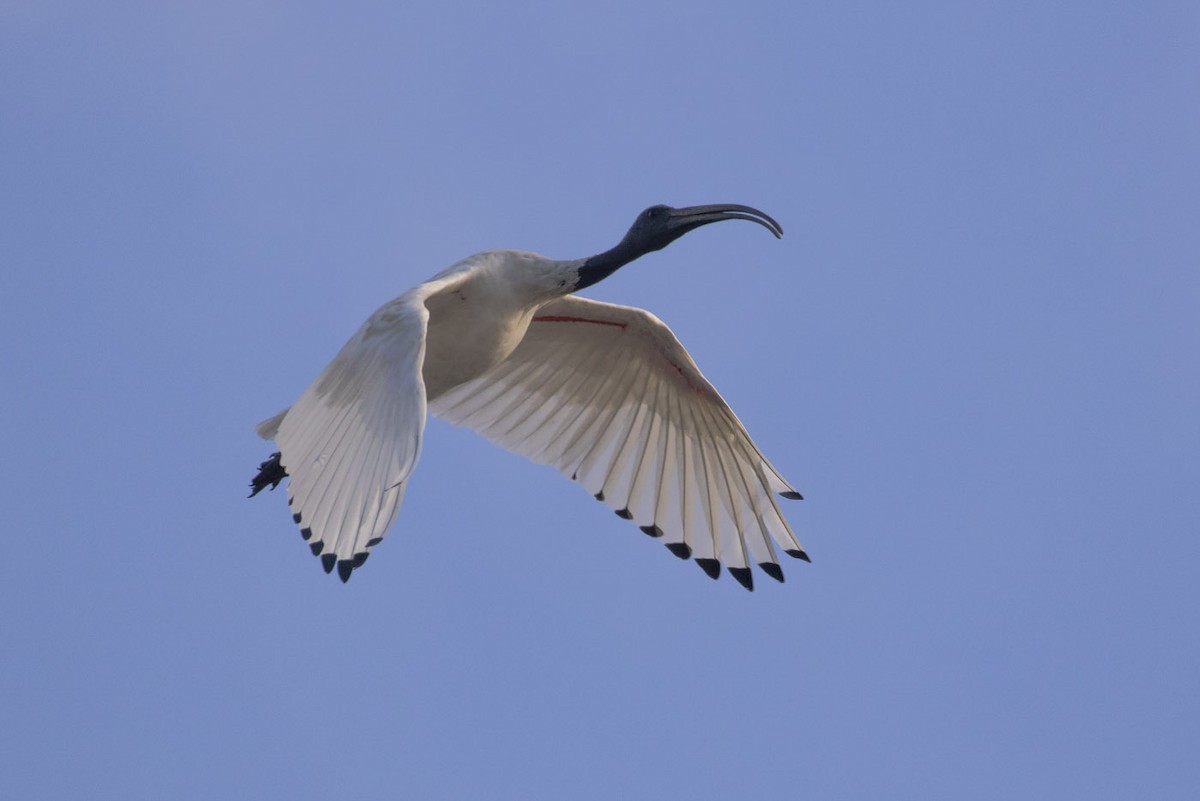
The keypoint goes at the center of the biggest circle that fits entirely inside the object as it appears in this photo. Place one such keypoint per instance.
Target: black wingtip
(346, 567)
(743, 576)
(773, 570)
(711, 567)
(680, 549)
(270, 473)
(796, 553)
(315, 547)
(792, 495)
(306, 534)
(624, 514)
(328, 561)
(599, 496)
(371, 543)
(651, 531)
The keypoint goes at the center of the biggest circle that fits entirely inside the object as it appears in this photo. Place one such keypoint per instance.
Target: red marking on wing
(698, 389)
(562, 318)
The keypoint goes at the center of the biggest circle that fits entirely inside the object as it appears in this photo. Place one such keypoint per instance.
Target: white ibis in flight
(500, 343)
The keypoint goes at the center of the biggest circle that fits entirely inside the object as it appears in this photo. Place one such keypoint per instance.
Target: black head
(659, 226)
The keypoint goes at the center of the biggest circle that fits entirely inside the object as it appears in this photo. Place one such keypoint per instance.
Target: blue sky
(974, 351)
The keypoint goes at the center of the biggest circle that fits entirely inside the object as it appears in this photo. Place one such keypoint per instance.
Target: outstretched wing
(608, 395)
(352, 439)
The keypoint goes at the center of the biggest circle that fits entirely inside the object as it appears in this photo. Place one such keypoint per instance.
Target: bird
(500, 343)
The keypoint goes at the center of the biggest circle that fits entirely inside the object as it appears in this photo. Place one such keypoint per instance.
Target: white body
(603, 392)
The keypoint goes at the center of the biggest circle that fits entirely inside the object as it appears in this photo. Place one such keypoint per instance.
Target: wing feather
(607, 395)
(353, 438)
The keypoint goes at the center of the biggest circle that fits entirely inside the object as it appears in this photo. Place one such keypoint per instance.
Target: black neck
(602, 265)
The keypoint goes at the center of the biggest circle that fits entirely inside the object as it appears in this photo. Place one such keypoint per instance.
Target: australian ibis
(605, 393)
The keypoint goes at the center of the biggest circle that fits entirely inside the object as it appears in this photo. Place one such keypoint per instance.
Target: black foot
(270, 472)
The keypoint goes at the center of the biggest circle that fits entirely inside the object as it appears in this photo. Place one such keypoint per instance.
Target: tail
(268, 428)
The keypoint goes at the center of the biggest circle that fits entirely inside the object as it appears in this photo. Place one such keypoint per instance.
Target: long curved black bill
(695, 216)
(659, 226)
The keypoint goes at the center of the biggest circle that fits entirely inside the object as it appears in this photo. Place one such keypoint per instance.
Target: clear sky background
(975, 351)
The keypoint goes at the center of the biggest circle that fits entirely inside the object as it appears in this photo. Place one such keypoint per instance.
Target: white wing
(608, 395)
(354, 436)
